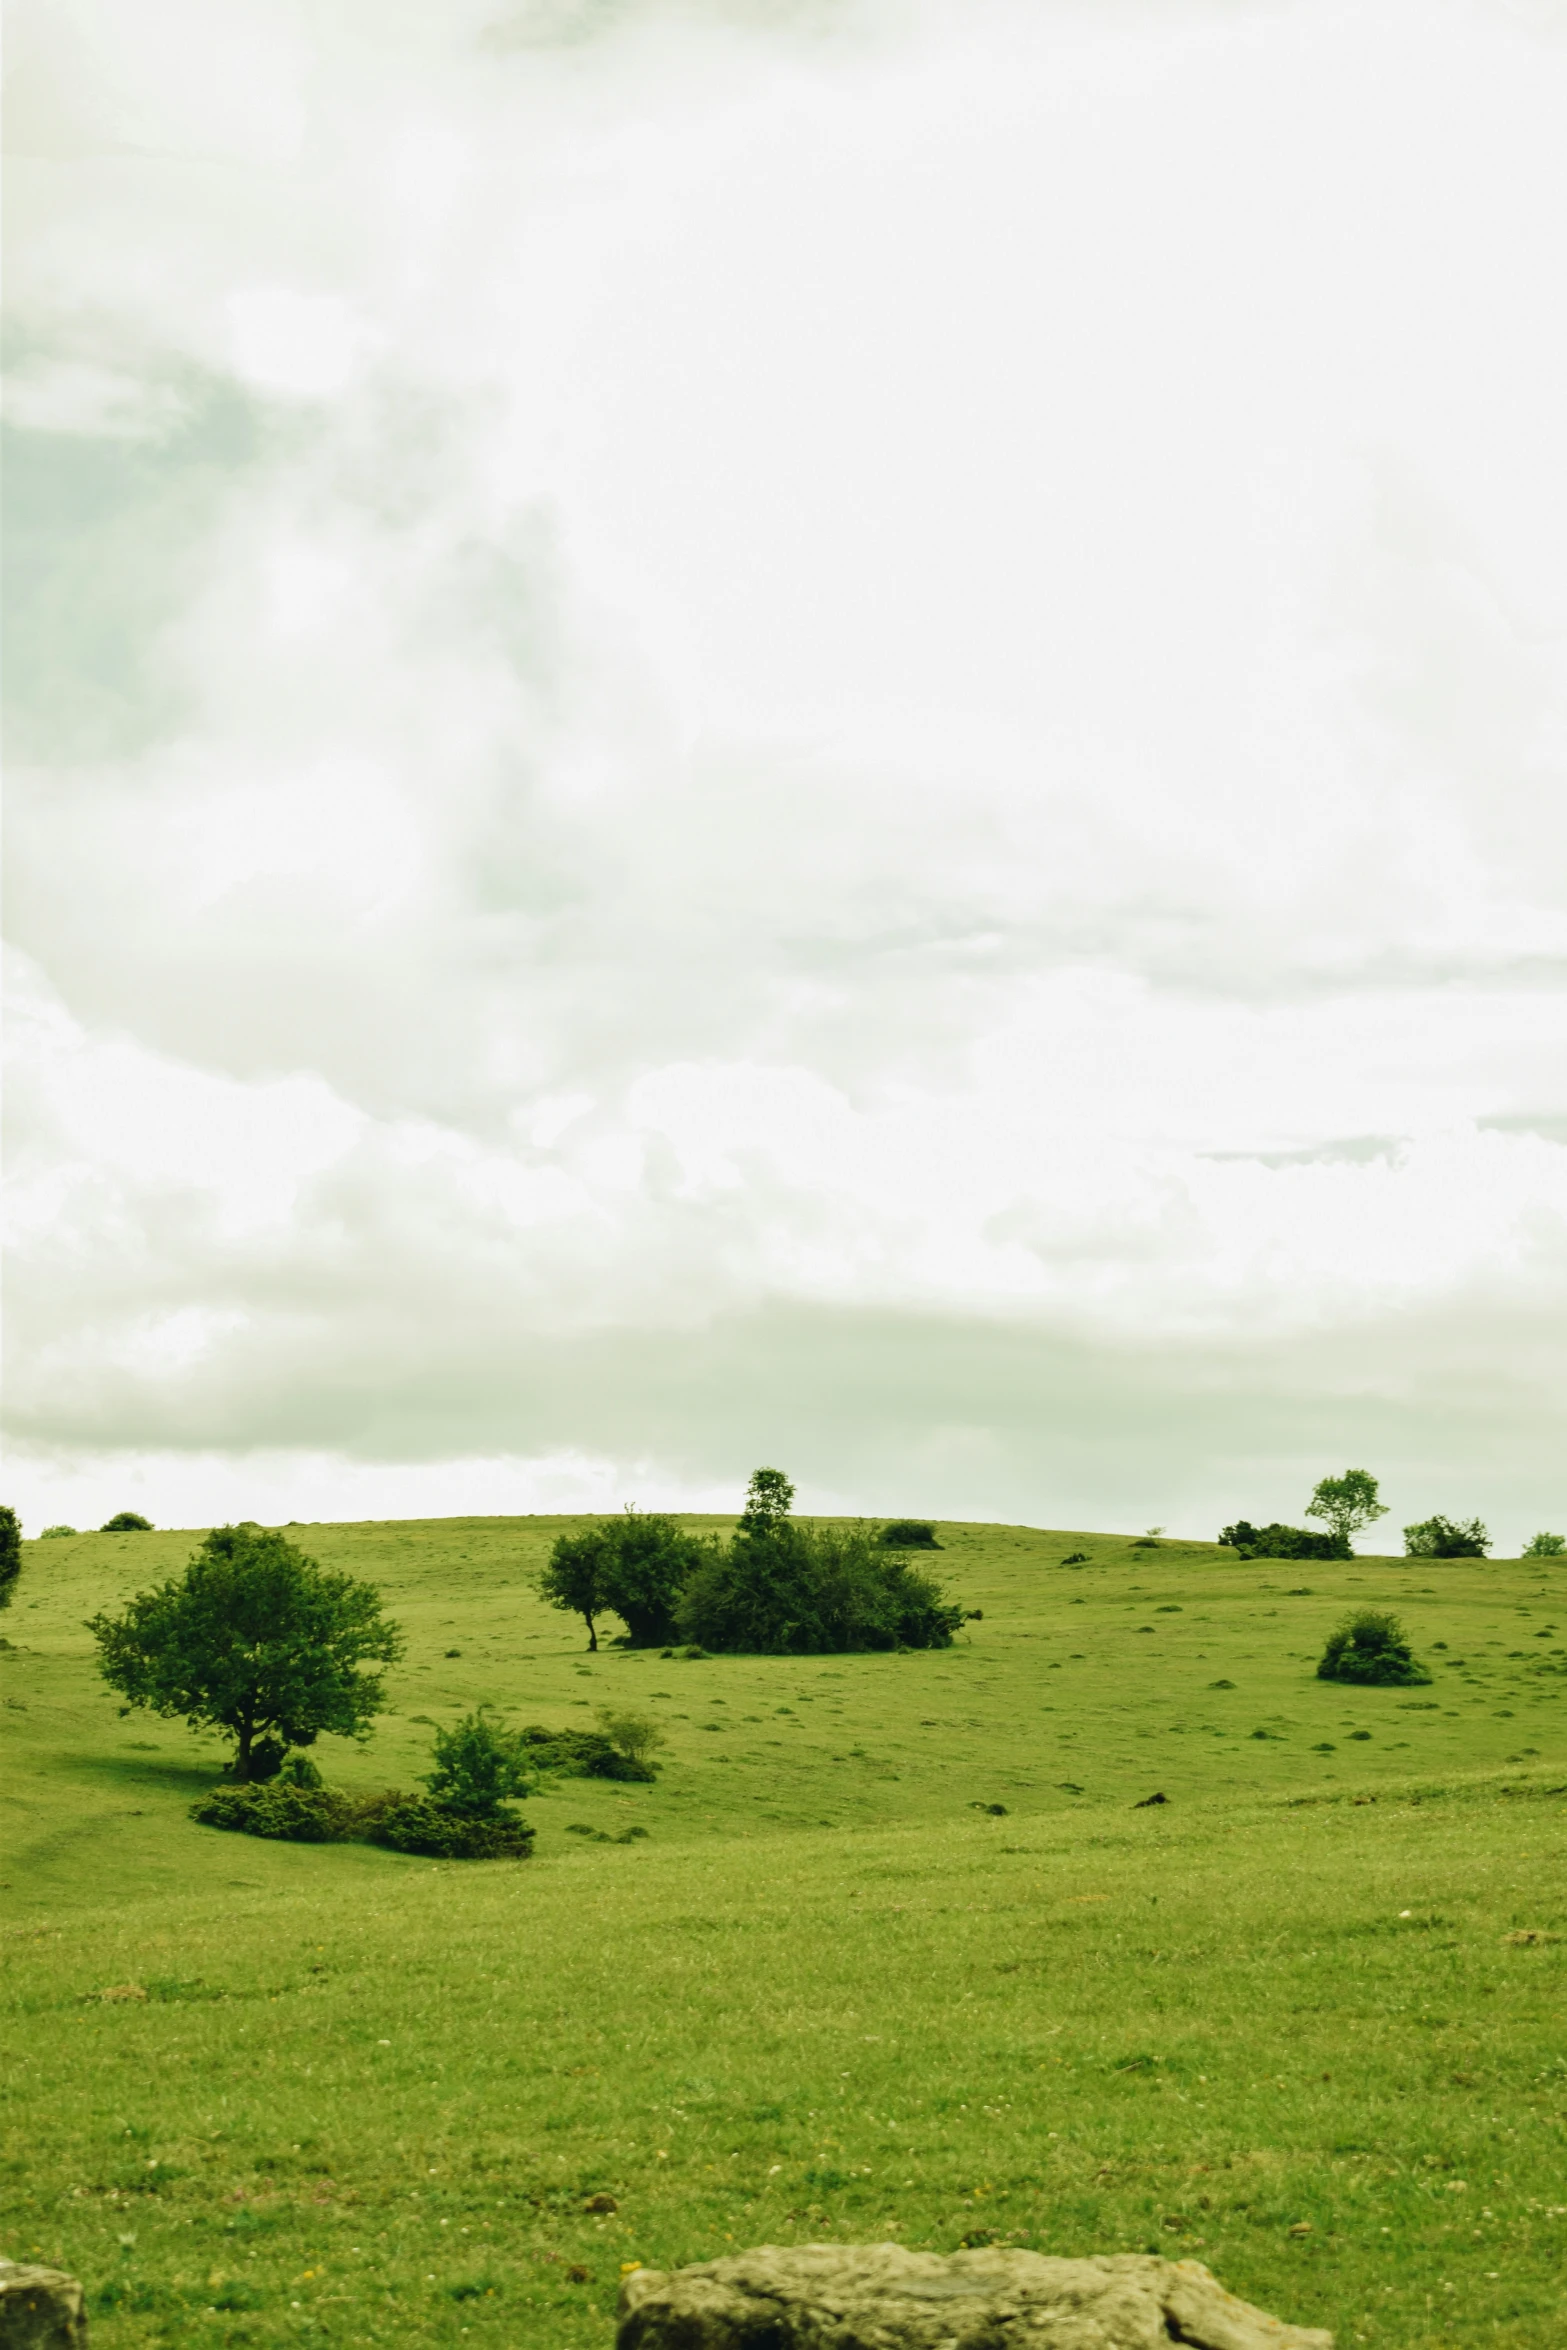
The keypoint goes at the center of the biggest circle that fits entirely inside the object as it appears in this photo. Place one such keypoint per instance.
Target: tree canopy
(126, 1522)
(634, 1566)
(1347, 1505)
(10, 1553)
(255, 1640)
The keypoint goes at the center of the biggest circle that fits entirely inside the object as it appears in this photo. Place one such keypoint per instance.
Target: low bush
(280, 1809)
(1284, 1542)
(1544, 1546)
(127, 1522)
(53, 1533)
(908, 1534)
(1371, 1646)
(421, 1824)
(584, 1754)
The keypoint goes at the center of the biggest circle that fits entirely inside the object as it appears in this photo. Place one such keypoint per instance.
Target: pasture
(1302, 2020)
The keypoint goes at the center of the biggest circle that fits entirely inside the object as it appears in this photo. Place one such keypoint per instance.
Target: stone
(881, 2297)
(40, 2309)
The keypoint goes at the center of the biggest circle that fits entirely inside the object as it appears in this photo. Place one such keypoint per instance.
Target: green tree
(769, 1499)
(126, 1522)
(1347, 1505)
(574, 1578)
(1446, 1538)
(255, 1640)
(1544, 1546)
(477, 1766)
(10, 1553)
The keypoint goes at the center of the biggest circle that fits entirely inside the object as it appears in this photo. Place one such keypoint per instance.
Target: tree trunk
(593, 1638)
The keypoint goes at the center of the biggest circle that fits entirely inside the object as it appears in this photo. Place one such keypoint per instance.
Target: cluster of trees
(1347, 1505)
(775, 1588)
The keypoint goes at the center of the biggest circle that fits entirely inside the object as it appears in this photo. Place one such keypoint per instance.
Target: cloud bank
(827, 734)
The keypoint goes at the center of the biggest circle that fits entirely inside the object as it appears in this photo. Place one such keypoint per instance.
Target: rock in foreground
(40, 2309)
(880, 2297)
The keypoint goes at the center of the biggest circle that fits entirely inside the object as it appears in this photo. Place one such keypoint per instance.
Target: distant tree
(635, 1567)
(127, 1522)
(636, 1736)
(769, 1499)
(10, 1553)
(1446, 1538)
(255, 1640)
(52, 1533)
(1347, 1505)
(780, 1588)
(574, 1579)
(1544, 1546)
(1370, 1646)
(908, 1534)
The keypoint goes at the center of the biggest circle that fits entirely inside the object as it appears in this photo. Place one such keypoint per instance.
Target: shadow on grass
(146, 1774)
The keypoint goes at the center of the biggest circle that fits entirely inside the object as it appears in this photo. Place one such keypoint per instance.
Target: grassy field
(1304, 2020)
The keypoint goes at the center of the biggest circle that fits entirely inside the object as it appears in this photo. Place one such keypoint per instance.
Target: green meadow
(905, 1953)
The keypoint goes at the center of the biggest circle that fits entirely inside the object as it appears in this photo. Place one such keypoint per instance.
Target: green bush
(420, 1824)
(127, 1522)
(791, 1590)
(634, 1566)
(908, 1534)
(583, 1754)
(281, 1809)
(1370, 1646)
(477, 1766)
(53, 1533)
(1284, 1542)
(1544, 1546)
(1446, 1538)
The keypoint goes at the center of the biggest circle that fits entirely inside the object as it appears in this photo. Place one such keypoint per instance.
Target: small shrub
(477, 1766)
(1446, 1538)
(583, 1754)
(419, 1824)
(1370, 1647)
(53, 1533)
(632, 1735)
(282, 1810)
(127, 1522)
(1075, 1558)
(908, 1534)
(1544, 1546)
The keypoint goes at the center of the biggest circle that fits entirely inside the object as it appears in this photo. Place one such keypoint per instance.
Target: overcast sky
(827, 734)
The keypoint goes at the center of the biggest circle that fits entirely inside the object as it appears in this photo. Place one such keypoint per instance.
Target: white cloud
(747, 684)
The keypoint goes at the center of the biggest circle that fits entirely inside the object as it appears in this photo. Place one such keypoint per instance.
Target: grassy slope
(827, 1995)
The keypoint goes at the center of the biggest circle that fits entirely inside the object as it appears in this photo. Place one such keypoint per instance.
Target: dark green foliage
(127, 1522)
(10, 1553)
(1446, 1538)
(784, 1589)
(1284, 1542)
(1348, 1504)
(1544, 1546)
(908, 1534)
(53, 1533)
(477, 1766)
(634, 1567)
(583, 1754)
(768, 1500)
(256, 1640)
(419, 1824)
(1371, 1646)
(1075, 1558)
(291, 1814)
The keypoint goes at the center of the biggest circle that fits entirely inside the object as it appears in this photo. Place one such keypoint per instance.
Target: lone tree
(634, 1567)
(1347, 1505)
(1544, 1546)
(1446, 1538)
(10, 1553)
(126, 1522)
(255, 1640)
(1371, 1646)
